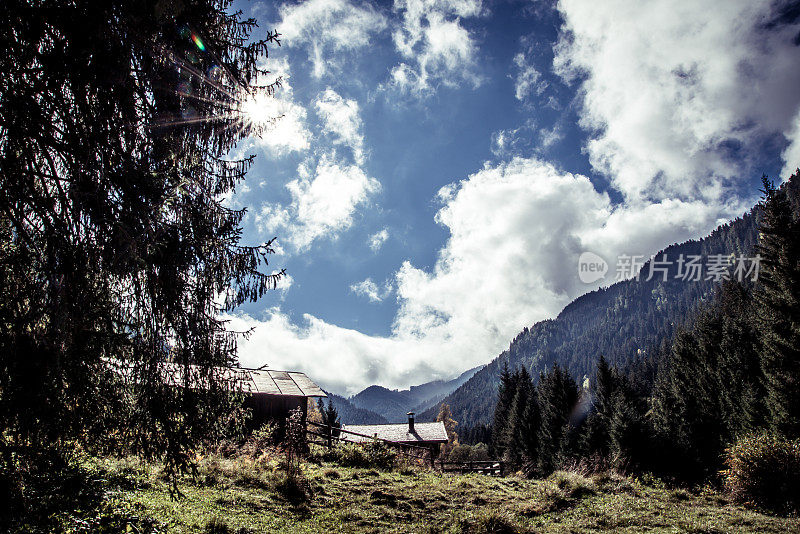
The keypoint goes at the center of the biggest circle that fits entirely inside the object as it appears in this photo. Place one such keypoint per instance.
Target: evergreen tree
(515, 437)
(330, 417)
(778, 306)
(595, 434)
(528, 432)
(505, 396)
(116, 119)
(557, 396)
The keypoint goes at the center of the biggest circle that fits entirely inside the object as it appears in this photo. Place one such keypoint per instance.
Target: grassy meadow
(245, 494)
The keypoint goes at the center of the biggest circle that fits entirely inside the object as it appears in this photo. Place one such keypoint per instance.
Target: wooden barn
(273, 394)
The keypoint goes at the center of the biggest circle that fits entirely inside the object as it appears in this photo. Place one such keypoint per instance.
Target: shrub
(374, 454)
(216, 525)
(764, 470)
(499, 522)
(560, 490)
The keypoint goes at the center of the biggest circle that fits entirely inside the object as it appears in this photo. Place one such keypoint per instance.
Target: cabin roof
(292, 383)
(255, 381)
(423, 432)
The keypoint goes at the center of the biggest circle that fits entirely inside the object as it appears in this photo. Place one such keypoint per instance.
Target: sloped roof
(272, 382)
(267, 381)
(427, 432)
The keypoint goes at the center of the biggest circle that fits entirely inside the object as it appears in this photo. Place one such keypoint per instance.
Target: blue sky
(439, 165)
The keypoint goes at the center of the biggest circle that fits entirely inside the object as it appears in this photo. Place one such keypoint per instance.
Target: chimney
(411, 422)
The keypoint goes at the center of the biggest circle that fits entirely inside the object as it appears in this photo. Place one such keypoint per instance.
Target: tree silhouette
(117, 251)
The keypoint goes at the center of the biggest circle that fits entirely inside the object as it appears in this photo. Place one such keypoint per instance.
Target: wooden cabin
(428, 435)
(273, 394)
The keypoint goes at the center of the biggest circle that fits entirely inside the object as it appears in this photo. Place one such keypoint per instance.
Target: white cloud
(791, 155)
(283, 119)
(516, 232)
(324, 201)
(377, 239)
(432, 37)
(528, 79)
(368, 288)
(679, 93)
(341, 118)
(329, 28)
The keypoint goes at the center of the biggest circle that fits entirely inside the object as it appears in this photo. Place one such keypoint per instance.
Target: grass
(247, 495)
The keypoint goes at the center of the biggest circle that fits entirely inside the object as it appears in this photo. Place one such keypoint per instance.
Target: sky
(438, 166)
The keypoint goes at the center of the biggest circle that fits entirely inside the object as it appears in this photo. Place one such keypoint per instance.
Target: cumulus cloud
(329, 28)
(791, 155)
(285, 120)
(342, 120)
(679, 94)
(324, 200)
(515, 232)
(377, 239)
(436, 47)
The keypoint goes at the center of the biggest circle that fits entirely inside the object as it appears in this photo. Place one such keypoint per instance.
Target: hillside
(349, 414)
(626, 322)
(393, 405)
(246, 495)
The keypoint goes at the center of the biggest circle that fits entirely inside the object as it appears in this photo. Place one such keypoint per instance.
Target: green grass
(244, 495)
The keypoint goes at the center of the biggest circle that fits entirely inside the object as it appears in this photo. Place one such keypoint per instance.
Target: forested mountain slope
(349, 414)
(626, 322)
(394, 404)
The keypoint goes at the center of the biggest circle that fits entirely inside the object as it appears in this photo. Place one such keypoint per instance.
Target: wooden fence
(328, 436)
(490, 467)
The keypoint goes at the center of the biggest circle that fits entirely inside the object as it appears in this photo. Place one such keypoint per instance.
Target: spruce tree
(778, 306)
(330, 418)
(505, 396)
(557, 395)
(117, 251)
(515, 438)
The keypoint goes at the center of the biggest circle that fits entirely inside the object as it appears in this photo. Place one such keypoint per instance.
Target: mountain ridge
(626, 322)
(393, 405)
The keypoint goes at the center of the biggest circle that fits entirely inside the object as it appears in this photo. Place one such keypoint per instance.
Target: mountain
(626, 322)
(349, 414)
(394, 404)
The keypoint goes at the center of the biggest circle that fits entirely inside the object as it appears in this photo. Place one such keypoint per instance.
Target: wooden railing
(488, 467)
(328, 436)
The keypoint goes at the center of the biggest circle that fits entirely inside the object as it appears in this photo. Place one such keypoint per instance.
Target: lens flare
(198, 42)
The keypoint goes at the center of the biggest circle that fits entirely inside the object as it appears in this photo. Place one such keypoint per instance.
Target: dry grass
(246, 494)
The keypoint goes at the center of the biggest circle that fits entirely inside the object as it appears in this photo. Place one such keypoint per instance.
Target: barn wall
(274, 408)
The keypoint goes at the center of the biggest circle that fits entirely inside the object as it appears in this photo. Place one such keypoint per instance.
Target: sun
(259, 109)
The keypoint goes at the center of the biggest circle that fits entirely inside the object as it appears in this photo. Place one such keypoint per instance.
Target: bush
(375, 454)
(216, 525)
(467, 453)
(764, 470)
(496, 522)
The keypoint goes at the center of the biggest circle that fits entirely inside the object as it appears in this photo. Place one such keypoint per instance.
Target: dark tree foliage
(116, 247)
(516, 437)
(709, 391)
(330, 417)
(558, 396)
(472, 435)
(778, 304)
(505, 396)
